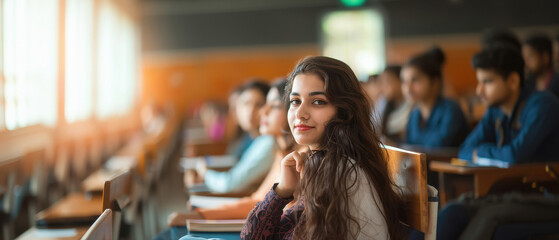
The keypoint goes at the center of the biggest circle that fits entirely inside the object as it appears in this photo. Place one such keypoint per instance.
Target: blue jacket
(446, 126)
(531, 134)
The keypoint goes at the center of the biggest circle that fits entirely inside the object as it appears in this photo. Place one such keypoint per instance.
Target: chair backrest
(37, 169)
(9, 177)
(117, 191)
(117, 194)
(409, 172)
(102, 228)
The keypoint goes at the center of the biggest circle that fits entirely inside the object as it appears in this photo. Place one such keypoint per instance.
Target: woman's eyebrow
(310, 94)
(316, 93)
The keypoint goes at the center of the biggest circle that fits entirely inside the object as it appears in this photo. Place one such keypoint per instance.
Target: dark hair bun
(436, 55)
(429, 62)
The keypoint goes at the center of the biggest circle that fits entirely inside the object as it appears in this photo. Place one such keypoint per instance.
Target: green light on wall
(353, 3)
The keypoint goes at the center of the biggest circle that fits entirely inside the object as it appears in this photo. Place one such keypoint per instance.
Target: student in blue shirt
(435, 121)
(520, 125)
(256, 160)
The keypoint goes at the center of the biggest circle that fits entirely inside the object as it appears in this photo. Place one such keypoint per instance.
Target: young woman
(342, 184)
(256, 160)
(273, 122)
(436, 121)
(397, 111)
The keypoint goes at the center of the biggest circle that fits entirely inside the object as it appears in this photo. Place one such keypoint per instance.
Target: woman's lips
(303, 127)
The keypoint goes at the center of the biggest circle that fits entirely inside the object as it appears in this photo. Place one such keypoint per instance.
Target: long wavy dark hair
(326, 186)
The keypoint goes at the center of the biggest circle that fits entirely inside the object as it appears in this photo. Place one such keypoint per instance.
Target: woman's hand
(201, 167)
(291, 170)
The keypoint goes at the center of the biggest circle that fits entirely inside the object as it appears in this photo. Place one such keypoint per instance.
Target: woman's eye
(294, 102)
(319, 102)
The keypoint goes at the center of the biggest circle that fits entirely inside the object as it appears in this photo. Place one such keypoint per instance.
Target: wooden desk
(204, 147)
(485, 177)
(444, 154)
(73, 210)
(34, 233)
(94, 182)
(127, 158)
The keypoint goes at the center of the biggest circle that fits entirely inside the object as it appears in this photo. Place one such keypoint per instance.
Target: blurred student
(373, 88)
(273, 123)
(238, 138)
(519, 125)
(214, 118)
(538, 57)
(435, 121)
(397, 110)
(257, 159)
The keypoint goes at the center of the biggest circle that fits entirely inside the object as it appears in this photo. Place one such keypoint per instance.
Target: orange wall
(191, 78)
(187, 79)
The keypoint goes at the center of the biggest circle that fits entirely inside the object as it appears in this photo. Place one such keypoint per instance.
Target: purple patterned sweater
(268, 221)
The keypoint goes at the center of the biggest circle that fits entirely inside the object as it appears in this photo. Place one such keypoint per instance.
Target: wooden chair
(117, 194)
(102, 228)
(409, 172)
(74, 208)
(9, 170)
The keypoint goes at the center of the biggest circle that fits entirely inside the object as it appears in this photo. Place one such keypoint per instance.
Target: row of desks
(83, 208)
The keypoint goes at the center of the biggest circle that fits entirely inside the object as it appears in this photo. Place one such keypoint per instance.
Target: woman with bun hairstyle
(341, 184)
(435, 121)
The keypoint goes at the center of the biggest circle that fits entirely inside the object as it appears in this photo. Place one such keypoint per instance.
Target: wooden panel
(188, 79)
(409, 172)
(102, 229)
(117, 190)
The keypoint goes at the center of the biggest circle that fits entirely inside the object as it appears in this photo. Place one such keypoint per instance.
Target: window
(100, 71)
(78, 99)
(117, 62)
(30, 62)
(357, 38)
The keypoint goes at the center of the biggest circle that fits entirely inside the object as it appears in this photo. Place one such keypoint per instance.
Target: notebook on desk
(210, 202)
(203, 225)
(481, 162)
(225, 161)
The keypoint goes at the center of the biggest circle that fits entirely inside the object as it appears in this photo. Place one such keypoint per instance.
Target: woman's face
(273, 116)
(248, 106)
(391, 85)
(309, 110)
(416, 85)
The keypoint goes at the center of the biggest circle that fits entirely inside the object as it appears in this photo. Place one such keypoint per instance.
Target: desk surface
(124, 159)
(34, 233)
(446, 167)
(433, 153)
(74, 209)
